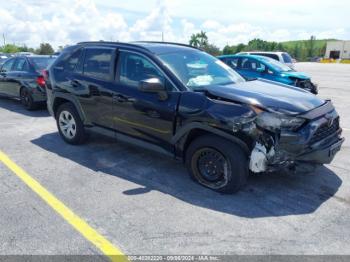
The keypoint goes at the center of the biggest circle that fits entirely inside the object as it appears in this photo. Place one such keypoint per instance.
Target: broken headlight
(275, 121)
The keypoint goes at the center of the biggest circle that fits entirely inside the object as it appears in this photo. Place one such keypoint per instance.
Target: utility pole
(3, 36)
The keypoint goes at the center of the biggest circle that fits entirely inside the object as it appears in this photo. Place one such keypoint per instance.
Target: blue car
(254, 66)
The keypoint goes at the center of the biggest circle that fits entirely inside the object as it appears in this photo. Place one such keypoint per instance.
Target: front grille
(325, 130)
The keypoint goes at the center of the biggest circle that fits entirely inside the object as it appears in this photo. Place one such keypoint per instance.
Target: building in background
(338, 50)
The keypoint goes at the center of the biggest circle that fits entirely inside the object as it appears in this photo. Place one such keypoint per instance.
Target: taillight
(40, 81)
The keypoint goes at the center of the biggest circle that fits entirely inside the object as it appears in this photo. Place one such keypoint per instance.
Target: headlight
(274, 121)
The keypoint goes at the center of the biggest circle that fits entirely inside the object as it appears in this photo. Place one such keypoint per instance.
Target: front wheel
(70, 125)
(217, 163)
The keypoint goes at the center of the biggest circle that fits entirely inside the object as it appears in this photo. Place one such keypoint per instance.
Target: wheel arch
(62, 99)
(188, 133)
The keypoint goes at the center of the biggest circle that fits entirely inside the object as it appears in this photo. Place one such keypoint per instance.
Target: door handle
(120, 98)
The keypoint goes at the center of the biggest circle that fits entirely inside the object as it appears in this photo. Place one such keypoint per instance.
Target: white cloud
(62, 22)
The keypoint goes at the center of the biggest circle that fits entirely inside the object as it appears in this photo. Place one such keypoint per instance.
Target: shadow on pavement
(264, 196)
(14, 105)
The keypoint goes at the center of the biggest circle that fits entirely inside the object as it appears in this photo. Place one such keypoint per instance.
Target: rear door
(143, 115)
(18, 75)
(6, 81)
(93, 83)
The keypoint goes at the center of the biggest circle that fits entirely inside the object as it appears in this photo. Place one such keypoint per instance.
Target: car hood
(295, 74)
(268, 95)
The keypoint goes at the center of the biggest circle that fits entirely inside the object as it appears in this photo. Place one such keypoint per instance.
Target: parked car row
(182, 102)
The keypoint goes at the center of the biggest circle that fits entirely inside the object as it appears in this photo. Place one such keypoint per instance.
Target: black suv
(181, 101)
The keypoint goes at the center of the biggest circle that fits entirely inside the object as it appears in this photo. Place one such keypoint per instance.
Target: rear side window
(273, 56)
(41, 63)
(7, 66)
(98, 63)
(72, 61)
(67, 62)
(21, 65)
(286, 58)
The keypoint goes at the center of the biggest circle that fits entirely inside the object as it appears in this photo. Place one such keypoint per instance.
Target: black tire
(27, 100)
(228, 170)
(79, 136)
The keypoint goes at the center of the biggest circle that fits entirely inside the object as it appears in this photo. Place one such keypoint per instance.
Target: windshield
(277, 66)
(197, 69)
(41, 63)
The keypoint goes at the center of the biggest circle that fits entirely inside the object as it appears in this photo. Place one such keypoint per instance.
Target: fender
(197, 125)
(74, 101)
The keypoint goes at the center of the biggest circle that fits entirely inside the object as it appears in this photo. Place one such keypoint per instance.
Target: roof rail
(170, 43)
(111, 43)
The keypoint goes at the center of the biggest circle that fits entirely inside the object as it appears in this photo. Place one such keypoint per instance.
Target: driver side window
(134, 68)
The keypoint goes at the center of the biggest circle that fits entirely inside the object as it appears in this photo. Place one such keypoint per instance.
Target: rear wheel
(70, 125)
(217, 163)
(27, 100)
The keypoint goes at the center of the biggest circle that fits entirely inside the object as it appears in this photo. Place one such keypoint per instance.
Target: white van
(282, 57)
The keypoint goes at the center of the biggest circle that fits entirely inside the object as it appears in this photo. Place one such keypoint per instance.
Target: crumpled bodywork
(282, 127)
(282, 141)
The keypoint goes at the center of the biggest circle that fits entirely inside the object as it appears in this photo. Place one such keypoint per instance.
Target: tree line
(43, 49)
(301, 50)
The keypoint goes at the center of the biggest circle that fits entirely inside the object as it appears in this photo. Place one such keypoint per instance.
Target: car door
(93, 83)
(143, 115)
(6, 81)
(18, 74)
(251, 68)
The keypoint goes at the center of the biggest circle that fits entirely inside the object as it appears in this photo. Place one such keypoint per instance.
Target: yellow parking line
(106, 247)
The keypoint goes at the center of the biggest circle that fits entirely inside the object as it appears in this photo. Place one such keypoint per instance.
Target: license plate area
(335, 148)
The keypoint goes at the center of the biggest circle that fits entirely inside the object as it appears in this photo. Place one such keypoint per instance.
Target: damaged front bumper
(316, 142)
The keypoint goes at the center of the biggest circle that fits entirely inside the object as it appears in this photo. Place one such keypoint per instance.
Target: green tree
(194, 41)
(199, 40)
(10, 48)
(311, 46)
(240, 47)
(45, 49)
(229, 50)
(212, 49)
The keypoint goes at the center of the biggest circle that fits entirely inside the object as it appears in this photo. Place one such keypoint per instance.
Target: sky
(65, 22)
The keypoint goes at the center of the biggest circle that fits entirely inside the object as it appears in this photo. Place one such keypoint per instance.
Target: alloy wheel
(67, 124)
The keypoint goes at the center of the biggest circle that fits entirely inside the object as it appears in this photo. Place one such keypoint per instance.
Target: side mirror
(154, 85)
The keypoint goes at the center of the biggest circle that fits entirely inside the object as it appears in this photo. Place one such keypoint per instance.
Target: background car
(282, 57)
(253, 66)
(22, 77)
